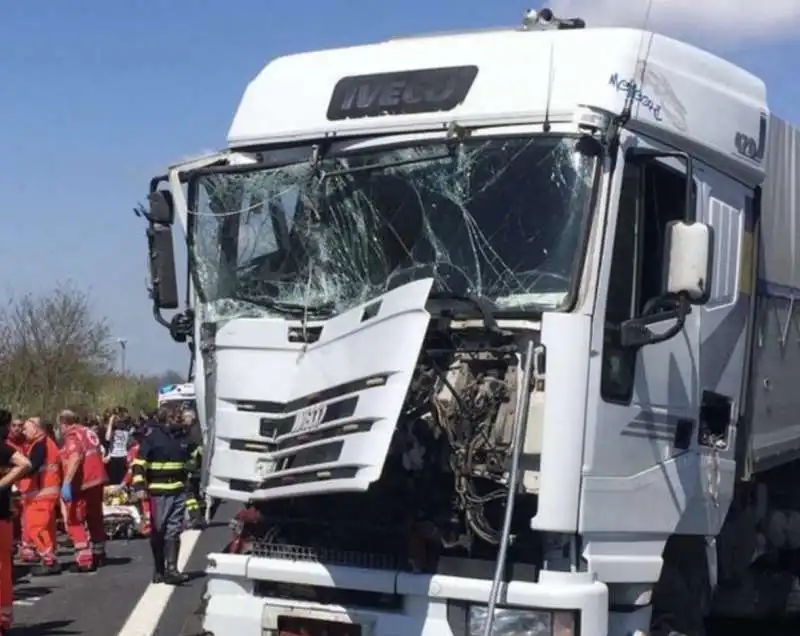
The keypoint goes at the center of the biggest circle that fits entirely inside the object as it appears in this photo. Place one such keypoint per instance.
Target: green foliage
(55, 353)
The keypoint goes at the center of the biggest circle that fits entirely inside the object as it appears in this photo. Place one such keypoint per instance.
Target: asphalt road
(98, 604)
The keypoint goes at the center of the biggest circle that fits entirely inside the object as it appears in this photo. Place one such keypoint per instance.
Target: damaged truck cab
(471, 316)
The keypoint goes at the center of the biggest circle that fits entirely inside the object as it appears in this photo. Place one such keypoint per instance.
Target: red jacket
(82, 442)
(45, 481)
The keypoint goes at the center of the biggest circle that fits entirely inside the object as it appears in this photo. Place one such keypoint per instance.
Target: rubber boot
(99, 555)
(172, 576)
(157, 548)
(213, 506)
(197, 520)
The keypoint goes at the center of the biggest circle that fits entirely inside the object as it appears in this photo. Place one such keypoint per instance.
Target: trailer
(495, 334)
(773, 428)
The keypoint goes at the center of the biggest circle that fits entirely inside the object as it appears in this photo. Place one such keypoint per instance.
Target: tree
(54, 352)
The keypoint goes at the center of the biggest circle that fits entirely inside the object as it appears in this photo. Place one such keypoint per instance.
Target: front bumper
(432, 605)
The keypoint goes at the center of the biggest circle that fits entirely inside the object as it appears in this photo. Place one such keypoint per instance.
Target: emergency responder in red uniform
(16, 440)
(82, 491)
(41, 497)
(13, 465)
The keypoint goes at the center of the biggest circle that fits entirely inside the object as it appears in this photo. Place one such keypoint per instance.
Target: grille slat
(325, 556)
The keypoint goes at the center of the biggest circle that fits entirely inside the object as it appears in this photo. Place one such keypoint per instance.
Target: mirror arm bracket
(645, 336)
(683, 310)
(159, 317)
(181, 327)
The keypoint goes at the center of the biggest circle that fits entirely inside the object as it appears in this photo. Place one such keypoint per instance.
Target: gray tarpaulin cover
(779, 266)
(775, 377)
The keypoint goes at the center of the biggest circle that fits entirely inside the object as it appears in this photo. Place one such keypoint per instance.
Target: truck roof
(522, 76)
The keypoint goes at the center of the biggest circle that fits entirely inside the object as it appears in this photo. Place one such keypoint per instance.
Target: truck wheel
(682, 596)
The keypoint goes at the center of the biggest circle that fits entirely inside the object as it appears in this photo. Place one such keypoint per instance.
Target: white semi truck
(495, 336)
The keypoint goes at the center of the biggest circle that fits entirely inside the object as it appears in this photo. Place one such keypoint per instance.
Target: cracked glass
(501, 219)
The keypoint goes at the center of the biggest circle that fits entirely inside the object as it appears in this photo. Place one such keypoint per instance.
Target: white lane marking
(144, 618)
(27, 602)
(189, 539)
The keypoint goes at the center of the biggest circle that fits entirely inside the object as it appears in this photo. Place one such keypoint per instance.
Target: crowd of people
(61, 470)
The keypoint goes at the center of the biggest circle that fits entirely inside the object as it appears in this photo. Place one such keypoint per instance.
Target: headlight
(522, 622)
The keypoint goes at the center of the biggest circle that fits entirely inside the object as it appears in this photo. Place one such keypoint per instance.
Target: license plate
(310, 419)
(296, 626)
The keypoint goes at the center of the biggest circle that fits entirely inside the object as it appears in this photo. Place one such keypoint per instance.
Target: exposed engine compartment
(443, 489)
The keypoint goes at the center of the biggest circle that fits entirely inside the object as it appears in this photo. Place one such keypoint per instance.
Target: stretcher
(121, 515)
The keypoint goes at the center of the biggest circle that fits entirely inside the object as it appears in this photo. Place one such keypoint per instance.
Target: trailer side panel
(774, 387)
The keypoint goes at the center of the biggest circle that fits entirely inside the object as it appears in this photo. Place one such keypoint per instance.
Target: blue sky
(98, 96)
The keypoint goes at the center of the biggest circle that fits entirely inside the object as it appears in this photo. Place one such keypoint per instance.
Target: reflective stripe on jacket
(161, 463)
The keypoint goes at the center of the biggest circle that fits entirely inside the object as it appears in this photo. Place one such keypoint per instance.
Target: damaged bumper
(561, 604)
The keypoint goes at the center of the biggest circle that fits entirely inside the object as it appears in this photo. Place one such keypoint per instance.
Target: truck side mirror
(689, 251)
(162, 267)
(161, 209)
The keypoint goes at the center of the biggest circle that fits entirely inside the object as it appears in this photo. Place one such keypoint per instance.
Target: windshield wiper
(298, 309)
(483, 306)
(294, 310)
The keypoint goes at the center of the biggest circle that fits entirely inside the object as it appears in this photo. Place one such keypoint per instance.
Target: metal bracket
(788, 323)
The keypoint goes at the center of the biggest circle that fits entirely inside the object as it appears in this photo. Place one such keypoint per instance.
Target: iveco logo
(747, 146)
(401, 93)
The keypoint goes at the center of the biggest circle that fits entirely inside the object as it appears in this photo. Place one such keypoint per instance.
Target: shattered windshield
(501, 219)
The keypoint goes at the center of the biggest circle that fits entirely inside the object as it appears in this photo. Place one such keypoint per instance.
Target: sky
(96, 97)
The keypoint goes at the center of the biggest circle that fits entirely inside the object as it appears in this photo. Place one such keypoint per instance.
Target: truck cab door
(642, 468)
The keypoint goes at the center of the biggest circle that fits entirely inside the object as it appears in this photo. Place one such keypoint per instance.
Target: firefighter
(41, 498)
(160, 476)
(82, 491)
(195, 441)
(13, 466)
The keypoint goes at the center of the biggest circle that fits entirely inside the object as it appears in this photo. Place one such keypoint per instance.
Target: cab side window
(652, 196)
